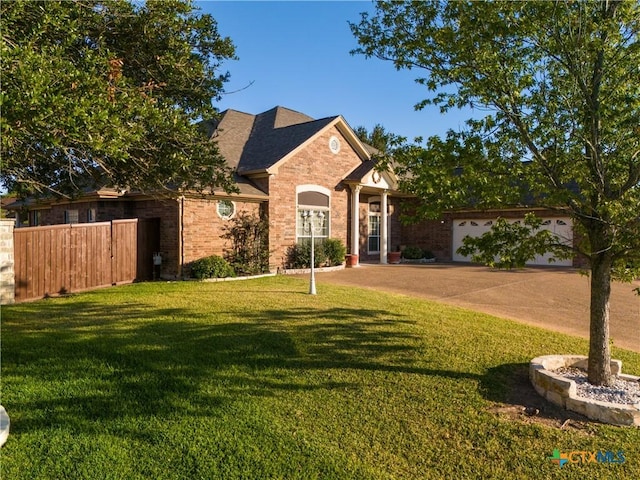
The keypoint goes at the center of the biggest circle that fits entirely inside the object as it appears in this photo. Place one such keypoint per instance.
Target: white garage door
(562, 227)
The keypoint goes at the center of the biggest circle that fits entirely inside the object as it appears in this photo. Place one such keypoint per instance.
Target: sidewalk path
(552, 298)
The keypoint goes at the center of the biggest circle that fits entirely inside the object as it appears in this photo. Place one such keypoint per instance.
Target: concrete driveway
(552, 298)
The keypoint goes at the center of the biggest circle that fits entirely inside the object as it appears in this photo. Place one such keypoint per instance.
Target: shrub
(211, 267)
(299, 255)
(412, 253)
(248, 236)
(335, 251)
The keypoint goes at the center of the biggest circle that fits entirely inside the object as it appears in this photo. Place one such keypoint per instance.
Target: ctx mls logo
(558, 458)
(574, 457)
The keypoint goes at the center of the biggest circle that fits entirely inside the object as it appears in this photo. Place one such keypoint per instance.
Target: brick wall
(167, 210)
(203, 227)
(7, 273)
(433, 235)
(55, 214)
(313, 165)
(105, 210)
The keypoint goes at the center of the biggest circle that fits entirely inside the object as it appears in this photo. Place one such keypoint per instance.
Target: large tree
(109, 93)
(379, 138)
(555, 91)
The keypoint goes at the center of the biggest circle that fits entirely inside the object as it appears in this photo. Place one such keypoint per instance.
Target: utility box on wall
(157, 265)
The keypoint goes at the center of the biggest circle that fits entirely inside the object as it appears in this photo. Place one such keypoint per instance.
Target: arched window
(316, 199)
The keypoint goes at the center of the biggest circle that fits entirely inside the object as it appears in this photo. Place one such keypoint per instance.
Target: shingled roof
(253, 143)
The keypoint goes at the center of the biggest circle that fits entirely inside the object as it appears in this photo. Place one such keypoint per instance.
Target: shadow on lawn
(89, 362)
(509, 385)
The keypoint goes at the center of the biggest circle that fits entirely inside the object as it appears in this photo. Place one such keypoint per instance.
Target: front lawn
(256, 379)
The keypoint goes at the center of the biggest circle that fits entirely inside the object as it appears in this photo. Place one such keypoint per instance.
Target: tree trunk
(599, 349)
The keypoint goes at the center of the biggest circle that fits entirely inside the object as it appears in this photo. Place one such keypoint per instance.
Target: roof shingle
(252, 143)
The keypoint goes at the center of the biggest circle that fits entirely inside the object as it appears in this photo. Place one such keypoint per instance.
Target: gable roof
(360, 172)
(258, 143)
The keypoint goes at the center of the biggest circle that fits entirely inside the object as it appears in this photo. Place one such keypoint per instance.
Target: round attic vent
(334, 144)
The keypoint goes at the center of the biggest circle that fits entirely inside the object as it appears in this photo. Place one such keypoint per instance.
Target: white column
(355, 220)
(383, 228)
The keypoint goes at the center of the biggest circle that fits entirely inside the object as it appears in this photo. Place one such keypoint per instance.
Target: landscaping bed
(561, 379)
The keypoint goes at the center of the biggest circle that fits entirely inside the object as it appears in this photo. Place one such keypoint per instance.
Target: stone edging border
(233, 279)
(562, 391)
(417, 262)
(299, 271)
(281, 271)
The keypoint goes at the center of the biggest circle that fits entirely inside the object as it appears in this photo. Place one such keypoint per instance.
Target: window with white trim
(316, 199)
(373, 232)
(226, 209)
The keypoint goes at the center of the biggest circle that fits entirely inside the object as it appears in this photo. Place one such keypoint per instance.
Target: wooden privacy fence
(60, 259)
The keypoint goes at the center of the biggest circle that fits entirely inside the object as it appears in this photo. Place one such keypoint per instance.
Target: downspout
(181, 236)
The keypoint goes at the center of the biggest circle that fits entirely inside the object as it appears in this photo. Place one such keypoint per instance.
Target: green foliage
(412, 253)
(555, 84)
(379, 138)
(558, 83)
(211, 267)
(512, 244)
(335, 251)
(249, 237)
(328, 252)
(299, 255)
(108, 93)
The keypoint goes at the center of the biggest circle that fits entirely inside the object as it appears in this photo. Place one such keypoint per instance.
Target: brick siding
(203, 228)
(313, 165)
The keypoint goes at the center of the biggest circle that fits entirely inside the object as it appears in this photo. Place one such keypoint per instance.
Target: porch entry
(374, 230)
(378, 223)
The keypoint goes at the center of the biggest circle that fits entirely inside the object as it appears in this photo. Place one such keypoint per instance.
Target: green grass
(257, 379)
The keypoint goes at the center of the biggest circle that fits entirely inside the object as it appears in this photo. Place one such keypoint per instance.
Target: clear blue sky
(296, 53)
